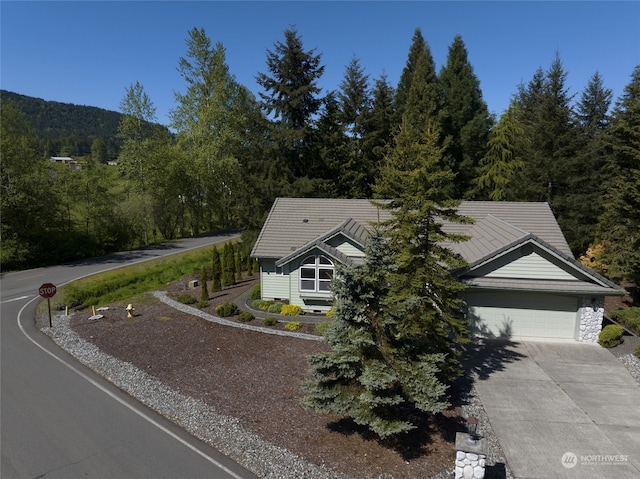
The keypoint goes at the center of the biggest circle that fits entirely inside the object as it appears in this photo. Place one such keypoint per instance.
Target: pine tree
(228, 266)
(586, 172)
(423, 287)
(417, 48)
(500, 165)
(237, 264)
(467, 121)
(249, 266)
(373, 374)
(291, 98)
(204, 292)
(620, 223)
(216, 270)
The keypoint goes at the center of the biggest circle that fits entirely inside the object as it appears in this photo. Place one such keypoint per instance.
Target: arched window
(316, 273)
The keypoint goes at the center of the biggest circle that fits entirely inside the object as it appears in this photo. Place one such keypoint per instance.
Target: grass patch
(129, 281)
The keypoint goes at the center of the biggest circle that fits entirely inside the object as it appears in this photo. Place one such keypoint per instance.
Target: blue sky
(89, 52)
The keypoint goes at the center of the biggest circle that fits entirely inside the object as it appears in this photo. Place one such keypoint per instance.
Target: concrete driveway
(561, 409)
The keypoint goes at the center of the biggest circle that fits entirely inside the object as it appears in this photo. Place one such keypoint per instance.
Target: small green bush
(202, 304)
(186, 298)
(255, 292)
(291, 310)
(638, 351)
(293, 326)
(630, 317)
(331, 313)
(610, 336)
(245, 317)
(322, 328)
(275, 308)
(269, 321)
(227, 309)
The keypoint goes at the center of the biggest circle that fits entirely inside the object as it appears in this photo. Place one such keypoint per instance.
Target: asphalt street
(58, 419)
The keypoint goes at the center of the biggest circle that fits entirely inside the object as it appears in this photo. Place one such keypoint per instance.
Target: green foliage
(375, 370)
(638, 351)
(228, 266)
(216, 270)
(186, 298)
(269, 321)
(331, 313)
(245, 317)
(126, 282)
(322, 328)
(291, 310)
(204, 292)
(275, 307)
(629, 317)
(227, 309)
(202, 304)
(610, 336)
(293, 325)
(255, 292)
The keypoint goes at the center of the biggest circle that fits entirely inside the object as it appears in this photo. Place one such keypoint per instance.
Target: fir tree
(467, 121)
(249, 266)
(620, 223)
(500, 165)
(237, 264)
(291, 98)
(423, 287)
(228, 267)
(204, 292)
(216, 270)
(374, 374)
(417, 48)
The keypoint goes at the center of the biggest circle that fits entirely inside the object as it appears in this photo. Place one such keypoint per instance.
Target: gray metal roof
(294, 222)
(546, 285)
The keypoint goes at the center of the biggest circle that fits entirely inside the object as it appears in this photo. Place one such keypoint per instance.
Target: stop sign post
(48, 291)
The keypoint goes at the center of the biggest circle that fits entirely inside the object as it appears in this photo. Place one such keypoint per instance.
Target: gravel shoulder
(238, 389)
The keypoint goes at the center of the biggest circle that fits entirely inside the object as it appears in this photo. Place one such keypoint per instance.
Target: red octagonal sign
(47, 290)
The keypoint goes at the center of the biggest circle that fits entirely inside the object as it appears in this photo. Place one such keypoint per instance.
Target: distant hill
(67, 129)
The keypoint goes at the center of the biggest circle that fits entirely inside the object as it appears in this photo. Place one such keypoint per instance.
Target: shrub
(275, 308)
(638, 351)
(255, 292)
(630, 317)
(186, 298)
(610, 336)
(227, 309)
(293, 326)
(291, 310)
(331, 313)
(245, 317)
(322, 328)
(202, 304)
(269, 321)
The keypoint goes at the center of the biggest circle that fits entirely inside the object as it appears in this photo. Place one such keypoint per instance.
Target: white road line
(124, 403)
(16, 299)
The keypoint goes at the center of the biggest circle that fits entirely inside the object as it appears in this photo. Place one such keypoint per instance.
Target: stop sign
(47, 290)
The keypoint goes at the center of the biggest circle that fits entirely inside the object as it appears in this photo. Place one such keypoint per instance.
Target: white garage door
(523, 315)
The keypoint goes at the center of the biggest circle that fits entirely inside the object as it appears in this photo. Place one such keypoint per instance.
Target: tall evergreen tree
(586, 172)
(228, 266)
(291, 99)
(416, 50)
(467, 121)
(620, 223)
(501, 164)
(216, 270)
(204, 291)
(379, 128)
(423, 290)
(374, 374)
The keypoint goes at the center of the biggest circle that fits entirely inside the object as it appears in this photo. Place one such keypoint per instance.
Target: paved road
(60, 420)
(561, 410)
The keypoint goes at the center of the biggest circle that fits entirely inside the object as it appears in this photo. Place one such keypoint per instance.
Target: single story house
(522, 280)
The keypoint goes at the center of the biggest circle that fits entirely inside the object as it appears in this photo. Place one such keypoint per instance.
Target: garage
(523, 314)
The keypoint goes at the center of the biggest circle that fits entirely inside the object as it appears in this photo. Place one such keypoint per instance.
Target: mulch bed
(256, 378)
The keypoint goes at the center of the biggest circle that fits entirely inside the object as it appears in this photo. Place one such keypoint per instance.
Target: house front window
(316, 273)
